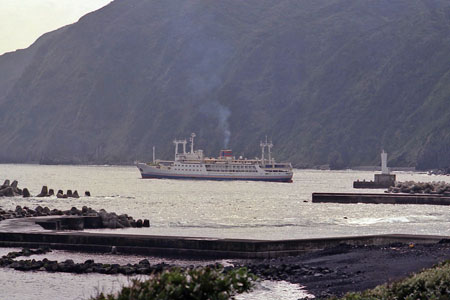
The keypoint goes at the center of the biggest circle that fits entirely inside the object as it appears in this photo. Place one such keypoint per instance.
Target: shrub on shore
(433, 283)
(213, 283)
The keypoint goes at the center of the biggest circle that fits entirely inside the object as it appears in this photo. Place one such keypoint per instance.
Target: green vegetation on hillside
(329, 81)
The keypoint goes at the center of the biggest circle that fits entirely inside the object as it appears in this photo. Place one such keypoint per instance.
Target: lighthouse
(381, 181)
(384, 168)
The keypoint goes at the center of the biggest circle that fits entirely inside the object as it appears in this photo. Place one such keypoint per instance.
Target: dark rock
(139, 223)
(75, 211)
(14, 184)
(44, 192)
(60, 195)
(69, 193)
(87, 193)
(113, 223)
(26, 193)
(75, 194)
(51, 192)
(8, 192)
(56, 212)
(123, 220)
(146, 223)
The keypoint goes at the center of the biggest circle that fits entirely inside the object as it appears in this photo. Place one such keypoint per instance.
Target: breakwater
(8, 189)
(69, 266)
(349, 198)
(412, 187)
(74, 218)
(187, 247)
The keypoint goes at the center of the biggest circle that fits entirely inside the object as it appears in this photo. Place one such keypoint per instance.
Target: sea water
(231, 209)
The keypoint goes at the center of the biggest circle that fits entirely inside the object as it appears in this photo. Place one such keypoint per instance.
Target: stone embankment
(9, 189)
(103, 218)
(412, 187)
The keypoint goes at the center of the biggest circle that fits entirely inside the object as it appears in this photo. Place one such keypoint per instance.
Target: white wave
(269, 290)
(371, 221)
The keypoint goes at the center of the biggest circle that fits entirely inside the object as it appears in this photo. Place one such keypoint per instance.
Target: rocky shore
(69, 266)
(342, 269)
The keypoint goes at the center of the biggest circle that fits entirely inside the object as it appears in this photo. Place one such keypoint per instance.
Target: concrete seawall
(347, 198)
(187, 247)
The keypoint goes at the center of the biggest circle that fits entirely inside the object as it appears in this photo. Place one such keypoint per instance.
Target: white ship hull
(200, 172)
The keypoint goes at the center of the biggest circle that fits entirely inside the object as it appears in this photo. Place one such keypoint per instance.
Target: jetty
(188, 247)
(352, 198)
(25, 232)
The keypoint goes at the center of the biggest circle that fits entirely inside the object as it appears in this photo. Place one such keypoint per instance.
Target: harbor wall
(349, 198)
(190, 247)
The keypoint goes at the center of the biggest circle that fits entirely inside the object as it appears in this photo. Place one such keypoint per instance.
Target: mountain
(329, 81)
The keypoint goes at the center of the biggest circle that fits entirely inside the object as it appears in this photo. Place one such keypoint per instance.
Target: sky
(23, 21)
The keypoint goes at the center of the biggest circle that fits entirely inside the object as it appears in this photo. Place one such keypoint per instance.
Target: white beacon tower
(384, 168)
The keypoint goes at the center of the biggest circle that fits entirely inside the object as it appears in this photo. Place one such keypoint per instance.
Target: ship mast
(178, 142)
(192, 142)
(153, 154)
(262, 152)
(269, 146)
(184, 142)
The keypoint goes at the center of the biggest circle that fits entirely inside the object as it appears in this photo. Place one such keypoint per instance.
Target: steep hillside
(331, 81)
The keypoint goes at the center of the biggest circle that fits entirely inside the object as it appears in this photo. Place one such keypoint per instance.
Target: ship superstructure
(194, 165)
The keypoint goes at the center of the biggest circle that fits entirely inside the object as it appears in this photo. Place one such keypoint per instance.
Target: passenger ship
(194, 165)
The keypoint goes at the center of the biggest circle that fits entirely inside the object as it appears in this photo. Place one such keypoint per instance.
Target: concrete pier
(25, 232)
(348, 198)
(188, 247)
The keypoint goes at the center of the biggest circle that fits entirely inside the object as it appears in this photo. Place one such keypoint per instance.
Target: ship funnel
(226, 153)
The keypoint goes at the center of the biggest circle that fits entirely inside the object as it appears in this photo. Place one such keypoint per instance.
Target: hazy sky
(23, 21)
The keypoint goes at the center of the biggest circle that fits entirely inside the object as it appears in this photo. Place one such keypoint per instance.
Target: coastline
(337, 270)
(324, 273)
